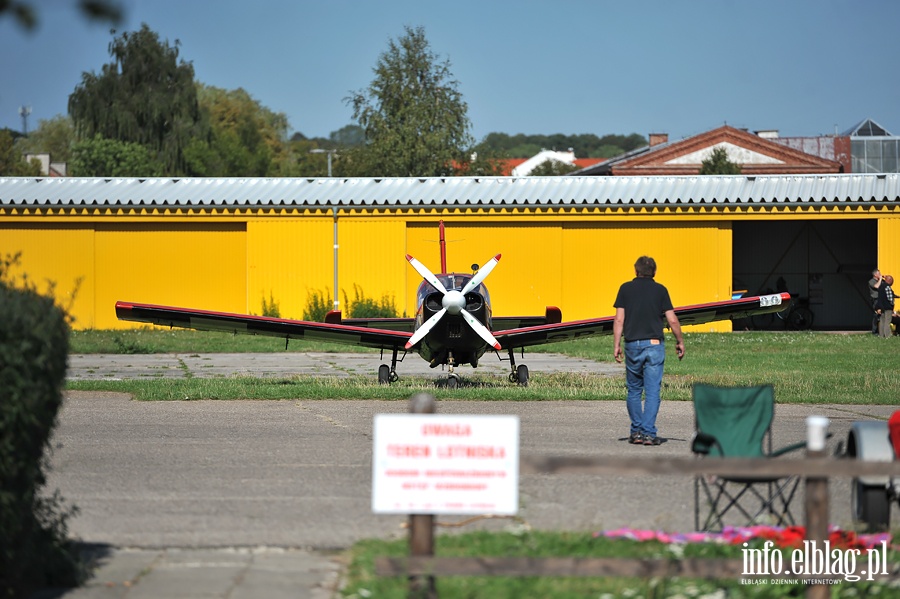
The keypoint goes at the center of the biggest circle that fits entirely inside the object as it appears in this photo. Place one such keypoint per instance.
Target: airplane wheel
(801, 319)
(522, 375)
(384, 374)
(452, 381)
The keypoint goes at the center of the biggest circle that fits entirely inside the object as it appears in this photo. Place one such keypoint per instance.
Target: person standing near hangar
(641, 306)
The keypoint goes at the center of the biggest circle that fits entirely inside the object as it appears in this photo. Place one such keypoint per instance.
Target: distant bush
(317, 305)
(34, 332)
(366, 307)
(270, 307)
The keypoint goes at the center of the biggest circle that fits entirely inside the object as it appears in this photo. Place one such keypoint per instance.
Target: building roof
(867, 128)
(18, 193)
(756, 155)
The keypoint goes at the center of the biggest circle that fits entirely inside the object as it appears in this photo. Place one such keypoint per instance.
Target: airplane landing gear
(387, 375)
(517, 374)
(452, 377)
(522, 375)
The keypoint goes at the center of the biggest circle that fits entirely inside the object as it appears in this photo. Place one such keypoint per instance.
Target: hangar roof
(71, 192)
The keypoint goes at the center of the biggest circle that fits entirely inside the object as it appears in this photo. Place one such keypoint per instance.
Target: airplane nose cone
(454, 302)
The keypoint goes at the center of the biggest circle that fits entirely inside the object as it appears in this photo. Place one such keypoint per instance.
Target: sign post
(425, 464)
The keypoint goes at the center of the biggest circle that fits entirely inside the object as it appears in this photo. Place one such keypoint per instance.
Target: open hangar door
(824, 264)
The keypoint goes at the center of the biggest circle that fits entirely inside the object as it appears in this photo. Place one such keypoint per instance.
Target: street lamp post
(335, 214)
(321, 151)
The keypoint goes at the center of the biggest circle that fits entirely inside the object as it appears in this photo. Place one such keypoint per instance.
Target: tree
(101, 157)
(145, 96)
(348, 136)
(53, 136)
(413, 115)
(11, 162)
(719, 164)
(245, 139)
(585, 145)
(552, 168)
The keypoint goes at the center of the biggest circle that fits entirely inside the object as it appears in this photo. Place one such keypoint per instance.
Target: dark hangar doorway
(824, 264)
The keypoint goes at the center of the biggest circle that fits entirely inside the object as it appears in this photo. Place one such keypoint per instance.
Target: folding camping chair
(736, 422)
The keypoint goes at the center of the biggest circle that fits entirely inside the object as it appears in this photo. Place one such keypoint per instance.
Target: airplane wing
(204, 320)
(553, 315)
(687, 315)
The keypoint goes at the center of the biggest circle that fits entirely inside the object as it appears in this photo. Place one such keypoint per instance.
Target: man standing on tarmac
(641, 305)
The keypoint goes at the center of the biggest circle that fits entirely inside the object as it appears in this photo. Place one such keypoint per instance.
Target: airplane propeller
(453, 302)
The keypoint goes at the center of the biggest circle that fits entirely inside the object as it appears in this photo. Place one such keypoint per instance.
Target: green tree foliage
(12, 164)
(552, 168)
(244, 138)
(348, 136)
(719, 164)
(144, 96)
(585, 145)
(101, 157)
(34, 333)
(413, 114)
(96, 10)
(53, 136)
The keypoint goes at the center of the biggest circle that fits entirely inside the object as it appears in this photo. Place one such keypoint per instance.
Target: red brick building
(756, 153)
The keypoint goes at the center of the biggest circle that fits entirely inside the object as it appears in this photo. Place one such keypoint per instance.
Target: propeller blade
(426, 274)
(481, 274)
(425, 328)
(479, 328)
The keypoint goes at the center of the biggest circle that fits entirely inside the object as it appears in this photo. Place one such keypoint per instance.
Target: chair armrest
(793, 447)
(702, 443)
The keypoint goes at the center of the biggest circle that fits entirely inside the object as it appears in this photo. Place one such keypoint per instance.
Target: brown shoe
(648, 440)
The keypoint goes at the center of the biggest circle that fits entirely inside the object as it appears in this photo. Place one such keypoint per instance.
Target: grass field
(805, 367)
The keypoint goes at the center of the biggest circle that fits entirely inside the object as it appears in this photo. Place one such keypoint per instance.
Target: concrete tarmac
(258, 498)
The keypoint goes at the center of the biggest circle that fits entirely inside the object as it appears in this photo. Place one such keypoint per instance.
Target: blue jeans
(643, 374)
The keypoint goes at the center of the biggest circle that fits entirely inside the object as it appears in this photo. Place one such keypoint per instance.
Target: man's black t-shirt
(645, 302)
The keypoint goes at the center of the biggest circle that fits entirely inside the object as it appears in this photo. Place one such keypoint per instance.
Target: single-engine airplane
(453, 323)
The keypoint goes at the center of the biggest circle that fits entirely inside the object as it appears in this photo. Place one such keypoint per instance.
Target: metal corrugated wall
(600, 257)
(288, 259)
(59, 254)
(889, 245)
(528, 276)
(371, 261)
(578, 266)
(198, 265)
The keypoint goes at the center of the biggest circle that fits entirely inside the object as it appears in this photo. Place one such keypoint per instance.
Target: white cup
(816, 428)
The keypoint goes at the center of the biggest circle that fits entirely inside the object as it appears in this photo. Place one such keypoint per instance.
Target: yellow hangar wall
(92, 265)
(234, 261)
(889, 245)
(577, 265)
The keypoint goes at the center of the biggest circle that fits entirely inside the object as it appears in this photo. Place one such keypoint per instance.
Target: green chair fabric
(736, 422)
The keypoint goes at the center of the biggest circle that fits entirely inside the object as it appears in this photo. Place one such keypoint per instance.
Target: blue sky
(804, 67)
